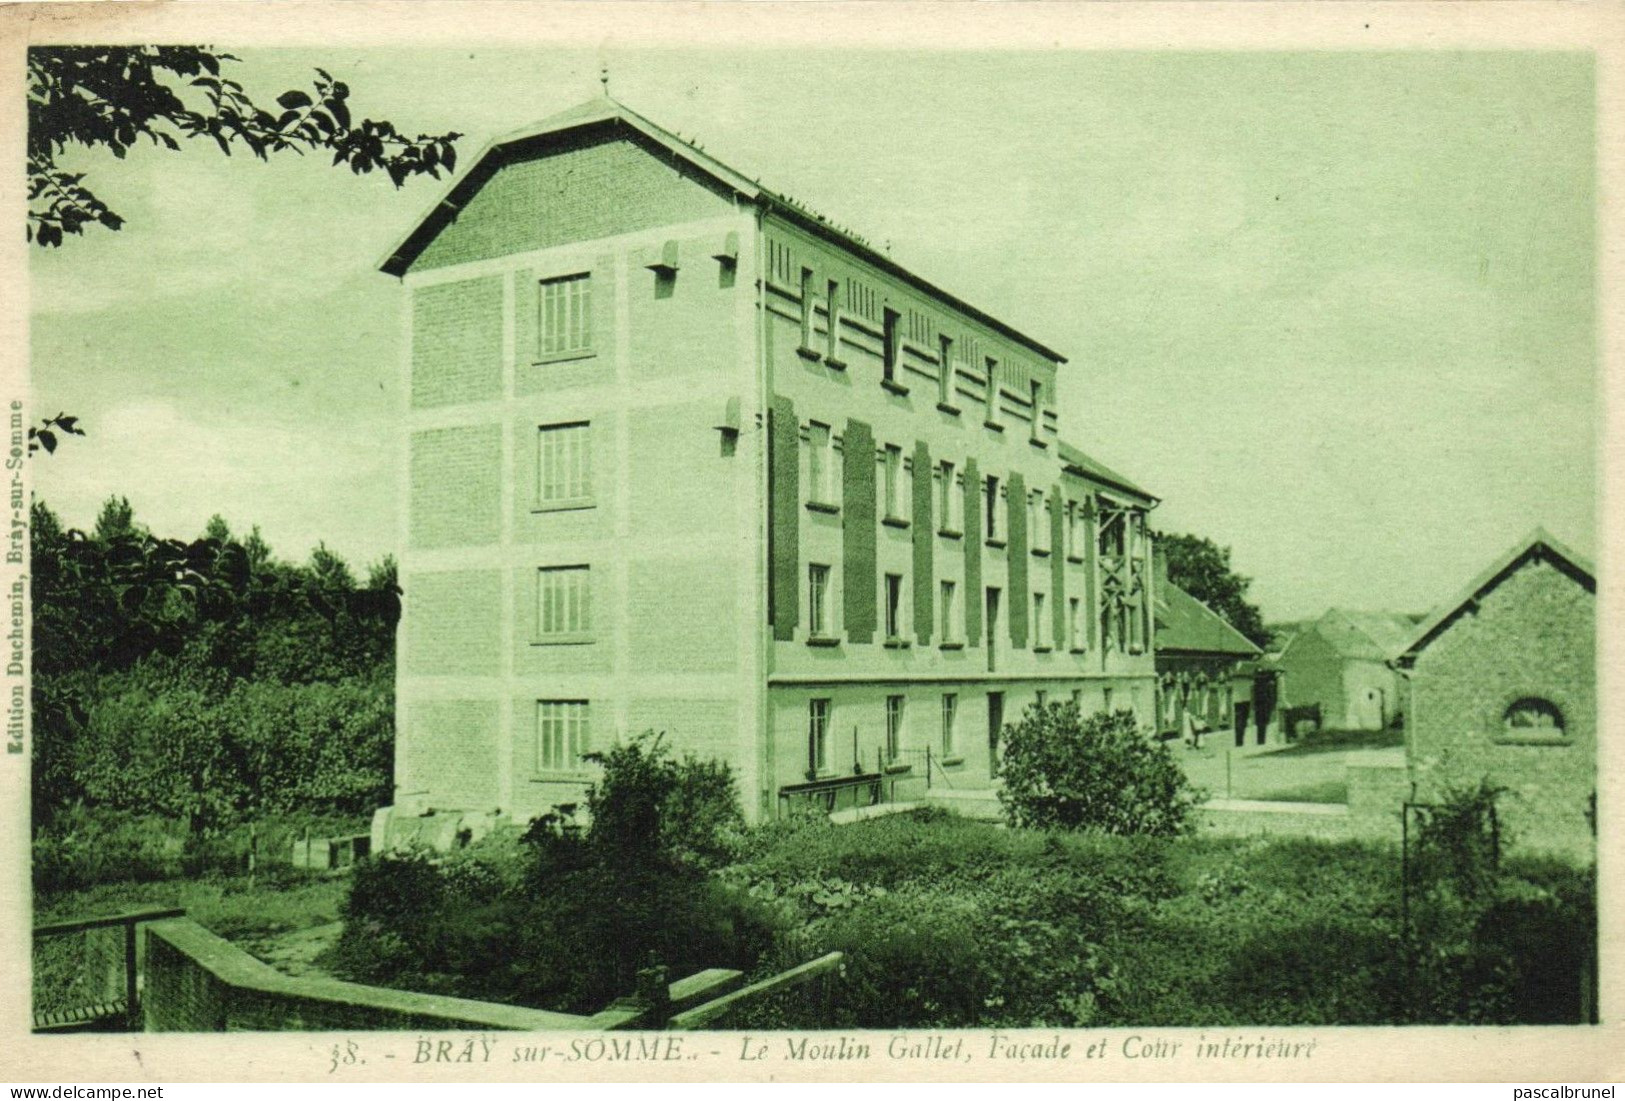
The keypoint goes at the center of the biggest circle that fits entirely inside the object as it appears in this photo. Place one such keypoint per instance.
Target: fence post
(132, 1010)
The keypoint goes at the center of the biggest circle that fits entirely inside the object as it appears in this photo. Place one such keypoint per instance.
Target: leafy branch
(114, 97)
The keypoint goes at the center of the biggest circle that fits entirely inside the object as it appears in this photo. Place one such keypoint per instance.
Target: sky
(1335, 309)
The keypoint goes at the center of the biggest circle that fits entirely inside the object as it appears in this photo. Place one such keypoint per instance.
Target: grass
(278, 901)
(1325, 791)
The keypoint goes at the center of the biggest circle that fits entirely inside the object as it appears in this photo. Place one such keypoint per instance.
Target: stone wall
(1533, 635)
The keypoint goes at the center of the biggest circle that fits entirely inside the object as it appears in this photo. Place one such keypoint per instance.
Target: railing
(765, 1003)
(78, 987)
(825, 794)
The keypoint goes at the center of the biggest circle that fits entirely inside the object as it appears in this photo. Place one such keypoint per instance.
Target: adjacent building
(1503, 688)
(680, 455)
(1342, 664)
(1205, 668)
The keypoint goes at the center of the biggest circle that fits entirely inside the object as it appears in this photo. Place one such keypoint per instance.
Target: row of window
(820, 622)
(891, 354)
(896, 477)
(820, 714)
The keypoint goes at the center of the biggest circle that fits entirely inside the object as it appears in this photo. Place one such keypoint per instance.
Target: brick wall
(598, 190)
(452, 623)
(1533, 635)
(456, 494)
(457, 342)
(449, 748)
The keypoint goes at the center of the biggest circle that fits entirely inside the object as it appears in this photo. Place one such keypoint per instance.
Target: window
(832, 310)
(1074, 529)
(894, 482)
(564, 601)
(817, 601)
(950, 712)
(991, 501)
(1032, 520)
(563, 463)
(820, 464)
(1077, 698)
(945, 371)
(1074, 640)
(817, 736)
(1042, 697)
(894, 606)
(992, 391)
(891, 352)
(894, 727)
(1037, 390)
(1532, 719)
(565, 324)
(561, 735)
(1106, 699)
(807, 312)
(947, 499)
(950, 611)
(1041, 631)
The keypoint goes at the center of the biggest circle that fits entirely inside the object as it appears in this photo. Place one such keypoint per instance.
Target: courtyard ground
(1308, 771)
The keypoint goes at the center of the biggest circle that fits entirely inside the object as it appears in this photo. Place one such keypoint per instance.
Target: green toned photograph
(807, 541)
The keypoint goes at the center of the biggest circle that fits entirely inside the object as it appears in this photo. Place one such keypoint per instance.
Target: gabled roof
(1186, 625)
(1365, 636)
(1086, 467)
(1538, 545)
(603, 112)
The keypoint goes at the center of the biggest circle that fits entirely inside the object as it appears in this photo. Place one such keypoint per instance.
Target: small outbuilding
(1341, 665)
(1503, 688)
(1204, 667)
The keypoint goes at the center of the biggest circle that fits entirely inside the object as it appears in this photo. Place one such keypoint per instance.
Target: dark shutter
(858, 531)
(783, 530)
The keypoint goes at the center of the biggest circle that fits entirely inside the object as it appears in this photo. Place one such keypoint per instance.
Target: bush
(1062, 771)
(563, 919)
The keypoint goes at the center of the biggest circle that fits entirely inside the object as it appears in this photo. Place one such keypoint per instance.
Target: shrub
(564, 919)
(1062, 771)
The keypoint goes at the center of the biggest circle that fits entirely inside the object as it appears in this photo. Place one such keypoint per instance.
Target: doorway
(995, 723)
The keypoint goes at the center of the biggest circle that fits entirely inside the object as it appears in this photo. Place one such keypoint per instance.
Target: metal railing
(77, 986)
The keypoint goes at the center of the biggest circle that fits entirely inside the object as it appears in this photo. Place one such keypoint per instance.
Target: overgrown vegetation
(943, 922)
(1492, 942)
(565, 916)
(185, 688)
(1064, 771)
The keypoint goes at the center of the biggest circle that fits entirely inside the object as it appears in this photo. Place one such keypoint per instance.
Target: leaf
(47, 440)
(340, 112)
(110, 220)
(69, 424)
(293, 99)
(168, 141)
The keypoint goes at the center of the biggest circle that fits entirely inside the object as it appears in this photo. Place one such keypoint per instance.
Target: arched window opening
(1534, 716)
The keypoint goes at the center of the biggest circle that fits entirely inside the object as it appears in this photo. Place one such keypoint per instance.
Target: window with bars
(562, 734)
(950, 718)
(1074, 637)
(563, 601)
(817, 735)
(894, 727)
(563, 462)
(945, 371)
(564, 324)
(1041, 626)
(947, 499)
